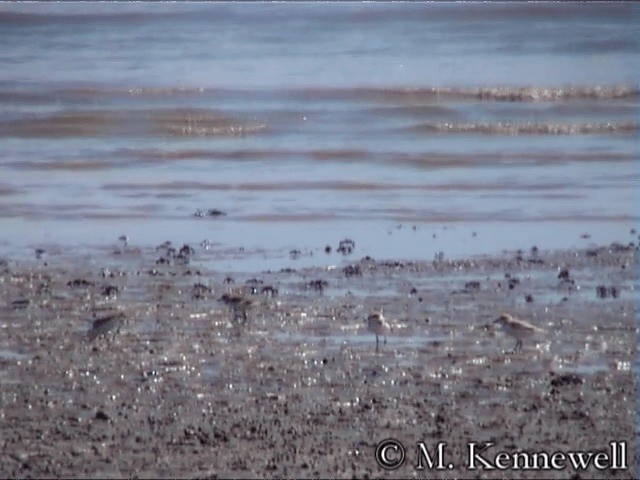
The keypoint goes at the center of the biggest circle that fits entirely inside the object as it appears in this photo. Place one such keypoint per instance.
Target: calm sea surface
(409, 128)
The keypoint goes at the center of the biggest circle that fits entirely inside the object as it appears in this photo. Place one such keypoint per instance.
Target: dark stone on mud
(200, 291)
(100, 415)
(528, 298)
(19, 304)
(163, 261)
(603, 291)
(269, 291)
(214, 212)
(164, 246)
(618, 247)
(295, 253)
(346, 246)
(230, 299)
(79, 282)
(109, 290)
(566, 379)
(393, 264)
(564, 274)
(513, 282)
(352, 270)
(327, 249)
(318, 285)
(183, 259)
(106, 273)
(472, 287)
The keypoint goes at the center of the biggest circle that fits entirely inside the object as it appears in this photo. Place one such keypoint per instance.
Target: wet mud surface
(124, 365)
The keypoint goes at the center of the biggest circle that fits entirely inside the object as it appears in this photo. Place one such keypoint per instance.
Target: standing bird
(238, 304)
(517, 328)
(378, 325)
(102, 327)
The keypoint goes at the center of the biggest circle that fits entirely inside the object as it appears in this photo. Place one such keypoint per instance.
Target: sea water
(411, 129)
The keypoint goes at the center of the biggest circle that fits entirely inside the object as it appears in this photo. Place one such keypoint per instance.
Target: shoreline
(302, 245)
(187, 387)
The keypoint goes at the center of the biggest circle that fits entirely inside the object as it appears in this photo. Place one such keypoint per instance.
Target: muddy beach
(151, 363)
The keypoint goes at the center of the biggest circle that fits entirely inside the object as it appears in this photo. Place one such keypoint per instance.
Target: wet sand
(286, 381)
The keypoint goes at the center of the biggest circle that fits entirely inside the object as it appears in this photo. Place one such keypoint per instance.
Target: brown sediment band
(70, 165)
(9, 190)
(496, 93)
(158, 122)
(427, 159)
(329, 185)
(505, 128)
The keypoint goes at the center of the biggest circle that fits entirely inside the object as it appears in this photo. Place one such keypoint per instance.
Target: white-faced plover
(106, 325)
(377, 324)
(517, 328)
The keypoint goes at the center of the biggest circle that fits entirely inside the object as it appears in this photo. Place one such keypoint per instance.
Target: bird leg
(518, 346)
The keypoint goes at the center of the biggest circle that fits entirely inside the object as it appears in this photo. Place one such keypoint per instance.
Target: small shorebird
(377, 324)
(238, 304)
(105, 325)
(517, 328)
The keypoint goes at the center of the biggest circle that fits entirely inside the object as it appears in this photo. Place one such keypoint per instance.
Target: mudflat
(151, 363)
